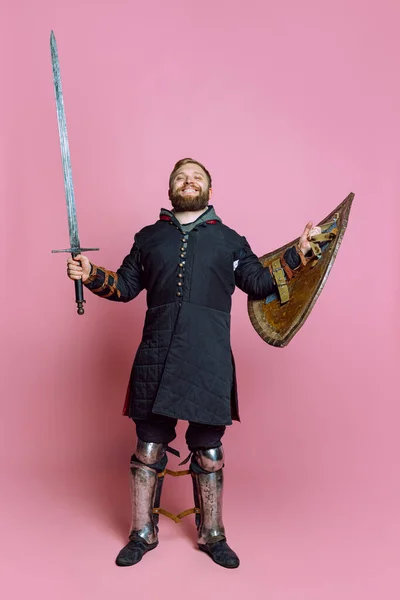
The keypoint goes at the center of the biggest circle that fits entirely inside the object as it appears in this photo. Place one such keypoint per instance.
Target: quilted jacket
(184, 365)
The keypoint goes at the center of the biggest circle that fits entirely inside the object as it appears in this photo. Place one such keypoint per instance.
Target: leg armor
(206, 468)
(147, 464)
(147, 474)
(207, 476)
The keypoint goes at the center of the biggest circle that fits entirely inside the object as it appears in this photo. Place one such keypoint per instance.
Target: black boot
(134, 551)
(221, 554)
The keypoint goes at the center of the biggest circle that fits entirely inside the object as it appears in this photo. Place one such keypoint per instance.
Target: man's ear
(210, 193)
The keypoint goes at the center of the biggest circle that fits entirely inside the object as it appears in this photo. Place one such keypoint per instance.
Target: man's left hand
(309, 231)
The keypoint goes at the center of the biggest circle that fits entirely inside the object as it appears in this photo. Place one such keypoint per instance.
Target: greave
(146, 464)
(206, 468)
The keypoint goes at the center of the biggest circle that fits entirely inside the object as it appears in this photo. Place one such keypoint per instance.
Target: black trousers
(161, 430)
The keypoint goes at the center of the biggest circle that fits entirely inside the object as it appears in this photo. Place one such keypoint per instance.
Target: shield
(278, 317)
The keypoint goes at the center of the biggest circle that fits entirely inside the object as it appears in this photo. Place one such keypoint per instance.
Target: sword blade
(64, 145)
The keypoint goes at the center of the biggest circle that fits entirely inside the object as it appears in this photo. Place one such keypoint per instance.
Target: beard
(181, 203)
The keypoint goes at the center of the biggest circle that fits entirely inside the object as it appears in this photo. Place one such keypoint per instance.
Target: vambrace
(120, 286)
(103, 283)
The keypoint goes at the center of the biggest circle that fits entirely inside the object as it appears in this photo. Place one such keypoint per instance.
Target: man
(189, 264)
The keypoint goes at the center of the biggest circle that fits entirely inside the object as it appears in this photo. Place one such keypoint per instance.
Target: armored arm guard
(120, 286)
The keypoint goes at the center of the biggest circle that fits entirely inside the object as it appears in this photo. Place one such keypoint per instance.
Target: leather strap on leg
(157, 510)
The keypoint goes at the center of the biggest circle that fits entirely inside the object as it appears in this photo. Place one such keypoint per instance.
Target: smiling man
(189, 263)
(189, 187)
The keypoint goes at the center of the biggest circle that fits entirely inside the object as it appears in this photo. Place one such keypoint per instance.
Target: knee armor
(209, 460)
(149, 453)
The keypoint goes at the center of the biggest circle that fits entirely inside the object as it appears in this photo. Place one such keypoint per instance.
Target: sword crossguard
(75, 251)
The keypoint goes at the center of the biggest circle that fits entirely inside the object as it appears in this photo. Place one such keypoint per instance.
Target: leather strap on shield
(279, 276)
(278, 317)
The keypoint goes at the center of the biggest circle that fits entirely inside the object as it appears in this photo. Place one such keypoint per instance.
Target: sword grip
(79, 299)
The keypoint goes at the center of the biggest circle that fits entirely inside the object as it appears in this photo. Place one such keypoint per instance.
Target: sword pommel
(79, 297)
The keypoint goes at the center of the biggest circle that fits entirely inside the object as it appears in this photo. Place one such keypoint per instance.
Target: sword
(75, 248)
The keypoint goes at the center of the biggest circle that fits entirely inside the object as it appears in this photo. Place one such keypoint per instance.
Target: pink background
(291, 105)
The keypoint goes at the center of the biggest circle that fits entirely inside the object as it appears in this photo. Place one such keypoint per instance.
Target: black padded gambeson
(184, 365)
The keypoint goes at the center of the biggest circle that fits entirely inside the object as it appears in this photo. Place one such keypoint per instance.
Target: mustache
(185, 187)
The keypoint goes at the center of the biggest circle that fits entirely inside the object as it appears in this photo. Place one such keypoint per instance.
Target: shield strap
(278, 274)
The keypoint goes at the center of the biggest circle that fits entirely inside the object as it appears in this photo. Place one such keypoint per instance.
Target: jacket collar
(208, 217)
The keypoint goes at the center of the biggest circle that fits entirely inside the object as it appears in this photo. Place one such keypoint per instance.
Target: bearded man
(189, 263)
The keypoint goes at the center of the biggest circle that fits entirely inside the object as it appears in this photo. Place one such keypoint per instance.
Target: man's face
(189, 189)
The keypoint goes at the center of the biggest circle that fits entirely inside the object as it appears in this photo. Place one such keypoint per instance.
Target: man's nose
(188, 180)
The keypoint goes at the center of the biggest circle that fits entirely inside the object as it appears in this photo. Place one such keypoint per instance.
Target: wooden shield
(277, 323)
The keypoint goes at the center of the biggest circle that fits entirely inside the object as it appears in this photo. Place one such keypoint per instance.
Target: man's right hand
(79, 268)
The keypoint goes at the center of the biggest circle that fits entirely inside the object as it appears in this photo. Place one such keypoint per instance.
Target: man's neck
(189, 216)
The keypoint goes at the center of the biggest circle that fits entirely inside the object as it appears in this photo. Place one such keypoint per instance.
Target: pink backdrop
(291, 105)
